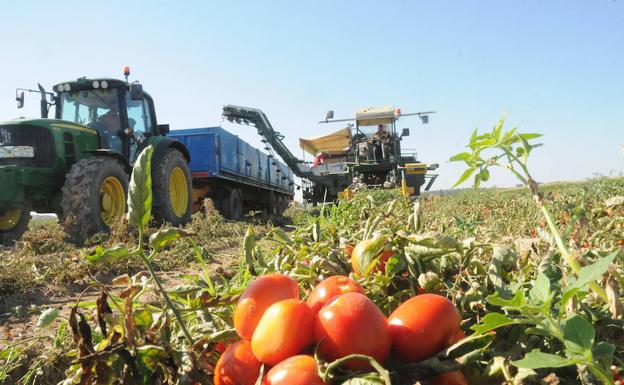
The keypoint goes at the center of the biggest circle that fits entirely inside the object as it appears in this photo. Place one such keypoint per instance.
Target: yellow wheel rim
(112, 200)
(9, 219)
(178, 192)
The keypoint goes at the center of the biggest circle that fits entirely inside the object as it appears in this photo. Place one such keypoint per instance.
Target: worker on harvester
(319, 159)
(379, 138)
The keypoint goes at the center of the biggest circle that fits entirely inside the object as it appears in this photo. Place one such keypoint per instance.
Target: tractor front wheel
(94, 197)
(13, 223)
(172, 189)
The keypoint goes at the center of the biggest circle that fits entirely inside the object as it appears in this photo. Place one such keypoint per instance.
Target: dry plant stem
(168, 301)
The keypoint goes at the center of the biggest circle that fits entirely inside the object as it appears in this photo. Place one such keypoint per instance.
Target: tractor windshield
(98, 109)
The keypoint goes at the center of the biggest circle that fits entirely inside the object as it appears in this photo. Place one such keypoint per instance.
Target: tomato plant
(352, 324)
(422, 326)
(285, 328)
(329, 288)
(257, 297)
(237, 366)
(296, 370)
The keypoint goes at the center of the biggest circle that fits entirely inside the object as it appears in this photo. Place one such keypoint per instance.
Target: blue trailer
(235, 175)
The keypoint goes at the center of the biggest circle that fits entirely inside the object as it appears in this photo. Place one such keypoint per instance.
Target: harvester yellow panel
(336, 143)
(415, 168)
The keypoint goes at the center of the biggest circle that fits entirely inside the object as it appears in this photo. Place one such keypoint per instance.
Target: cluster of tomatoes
(277, 329)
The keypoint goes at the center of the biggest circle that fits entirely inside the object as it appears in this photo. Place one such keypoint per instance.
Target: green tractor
(78, 164)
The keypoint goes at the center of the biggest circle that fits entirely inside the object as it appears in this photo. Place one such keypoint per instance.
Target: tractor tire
(232, 205)
(172, 189)
(93, 197)
(13, 223)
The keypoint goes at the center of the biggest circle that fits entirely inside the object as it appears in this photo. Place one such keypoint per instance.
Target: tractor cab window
(138, 117)
(98, 109)
(139, 122)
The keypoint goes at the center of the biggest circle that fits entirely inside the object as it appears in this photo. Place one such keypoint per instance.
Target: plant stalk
(168, 301)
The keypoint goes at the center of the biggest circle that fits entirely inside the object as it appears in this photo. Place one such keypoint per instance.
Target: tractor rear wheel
(13, 223)
(93, 197)
(172, 189)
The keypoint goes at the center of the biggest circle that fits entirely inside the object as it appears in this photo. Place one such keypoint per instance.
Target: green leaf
(462, 156)
(537, 360)
(603, 352)
(150, 356)
(103, 255)
(578, 334)
(594, 271)
(464, 176)
(140, 190)
(566, 296)
(498, 128)
(47, 317)
(469, 345)
(530, 136)
(162, 238)
(517, 301)
(492, 321)
(540, 292)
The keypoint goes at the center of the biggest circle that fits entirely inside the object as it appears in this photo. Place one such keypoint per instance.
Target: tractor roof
(370, 116)
(86, 83)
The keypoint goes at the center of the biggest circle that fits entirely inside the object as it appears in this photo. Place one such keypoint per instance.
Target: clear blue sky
(555, 67)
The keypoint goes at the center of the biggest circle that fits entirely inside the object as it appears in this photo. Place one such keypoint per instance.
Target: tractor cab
(121, 113)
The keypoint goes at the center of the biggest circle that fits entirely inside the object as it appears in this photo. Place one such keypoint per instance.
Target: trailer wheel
(172, 190)
(233, 205)
(13, 223)
(273, 204)
(93, 197)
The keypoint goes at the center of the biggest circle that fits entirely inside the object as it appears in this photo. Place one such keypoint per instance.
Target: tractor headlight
(104, 84)
(96, 84)
(17, 152)
(66, 87)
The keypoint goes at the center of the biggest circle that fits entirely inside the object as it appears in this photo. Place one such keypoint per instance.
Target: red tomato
(296, 370)
(257, 297)
(285, 328)
(451, 378)
(422, 326)
(351, 324)
(365, 253)
(329, 288)
(220, 347)
(347, 249)
(237, 366)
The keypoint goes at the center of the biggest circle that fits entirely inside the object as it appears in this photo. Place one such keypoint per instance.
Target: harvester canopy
(336, 143)
(372, 116)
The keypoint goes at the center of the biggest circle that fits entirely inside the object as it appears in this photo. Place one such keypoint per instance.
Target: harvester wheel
(94, 197)
(172, 189)
(13, 223)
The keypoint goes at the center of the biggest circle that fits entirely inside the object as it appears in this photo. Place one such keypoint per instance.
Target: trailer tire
(93, 197)
(172, 189)
(232, 205)
(13, 223)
